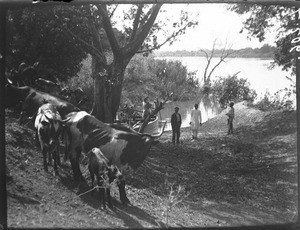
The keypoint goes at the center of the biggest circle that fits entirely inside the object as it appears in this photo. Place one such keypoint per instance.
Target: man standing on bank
(230, 115)
(176, 123)
(196, 121)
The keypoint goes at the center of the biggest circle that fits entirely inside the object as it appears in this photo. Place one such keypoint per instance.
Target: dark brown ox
(32, 99)
(48, 86)
(122, 146)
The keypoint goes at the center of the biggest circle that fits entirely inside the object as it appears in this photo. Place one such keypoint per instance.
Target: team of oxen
(112, 151)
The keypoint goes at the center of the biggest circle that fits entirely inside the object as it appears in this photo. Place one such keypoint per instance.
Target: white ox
(48, 126)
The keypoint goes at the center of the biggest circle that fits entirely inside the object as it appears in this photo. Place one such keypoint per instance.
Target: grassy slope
(244, 179)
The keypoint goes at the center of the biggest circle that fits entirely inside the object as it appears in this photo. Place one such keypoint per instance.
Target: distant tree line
(266, 51)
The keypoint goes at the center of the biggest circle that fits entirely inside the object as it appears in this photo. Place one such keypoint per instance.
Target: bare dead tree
(226, 52)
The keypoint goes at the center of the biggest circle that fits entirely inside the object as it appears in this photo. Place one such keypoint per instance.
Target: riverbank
(249, 178)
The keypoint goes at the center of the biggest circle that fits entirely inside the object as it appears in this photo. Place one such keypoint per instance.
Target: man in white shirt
(196, 121)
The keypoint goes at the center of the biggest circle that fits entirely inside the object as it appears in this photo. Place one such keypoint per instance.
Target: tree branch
(132, 47)
(136, 21)
(109, 30)
(222, 59)
(88, 47)
(175, 34)
(113, 11)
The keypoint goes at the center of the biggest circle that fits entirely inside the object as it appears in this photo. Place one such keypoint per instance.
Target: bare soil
(248, 178)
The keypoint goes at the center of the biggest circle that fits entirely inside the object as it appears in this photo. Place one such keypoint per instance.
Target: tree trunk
(107, 89)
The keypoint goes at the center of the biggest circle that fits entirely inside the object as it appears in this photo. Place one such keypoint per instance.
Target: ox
(98, 166)
(122, 146)
(32, 99)
(26, 75)
(48, 125)
(48, 86)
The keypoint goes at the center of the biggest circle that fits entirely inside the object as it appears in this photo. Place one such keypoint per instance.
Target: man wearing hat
(176, 123)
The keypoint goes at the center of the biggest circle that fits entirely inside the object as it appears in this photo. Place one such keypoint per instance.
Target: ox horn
(153, 136)
(161, 131)
(131, 128)
(65, 120)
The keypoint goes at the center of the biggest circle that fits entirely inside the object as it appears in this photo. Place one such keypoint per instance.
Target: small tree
(157, 78)
(227, 89)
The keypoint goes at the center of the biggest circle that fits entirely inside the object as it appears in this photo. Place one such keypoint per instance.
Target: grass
(249, 178)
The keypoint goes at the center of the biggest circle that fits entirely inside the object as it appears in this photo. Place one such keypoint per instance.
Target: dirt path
(244, 179)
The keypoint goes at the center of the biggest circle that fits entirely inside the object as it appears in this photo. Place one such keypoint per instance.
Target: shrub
(275, 102)
(231, 89)
(157, 78)
(84, 81)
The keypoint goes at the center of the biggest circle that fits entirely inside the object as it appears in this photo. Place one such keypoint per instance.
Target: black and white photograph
(149, 114)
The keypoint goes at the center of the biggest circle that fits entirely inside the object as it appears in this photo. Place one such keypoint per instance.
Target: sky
(215, 22)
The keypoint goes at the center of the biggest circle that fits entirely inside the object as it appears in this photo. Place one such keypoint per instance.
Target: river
(255, 70)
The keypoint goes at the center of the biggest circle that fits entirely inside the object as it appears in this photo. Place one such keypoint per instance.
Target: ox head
(114, 173)
(54, 127)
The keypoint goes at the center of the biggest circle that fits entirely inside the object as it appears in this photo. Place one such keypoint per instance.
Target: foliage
(231, 89)
(138, 34)
(157, 79)
(282, 100)
(61, 36)
(84, 81)
(33, 34)
(263, 18)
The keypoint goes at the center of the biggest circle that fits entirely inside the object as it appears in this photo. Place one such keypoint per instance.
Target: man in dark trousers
(176, 123)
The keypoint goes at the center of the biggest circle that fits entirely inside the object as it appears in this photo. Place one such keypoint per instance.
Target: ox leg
(108, 197)
(75, 165)
(58, 151)
(76, 169)
(37, 142)
(45, 151)
(58, 156)
(50, 158)
(66, 140)
(92, 176)
(102, 196)
(55, 153)
(123, 196)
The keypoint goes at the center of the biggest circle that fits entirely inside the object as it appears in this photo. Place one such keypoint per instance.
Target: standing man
(230, 115)
(196, 121)
(146, 108)
(176, 123)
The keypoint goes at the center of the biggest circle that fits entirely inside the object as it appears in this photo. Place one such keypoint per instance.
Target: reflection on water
(255, 70)
(208, 110)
